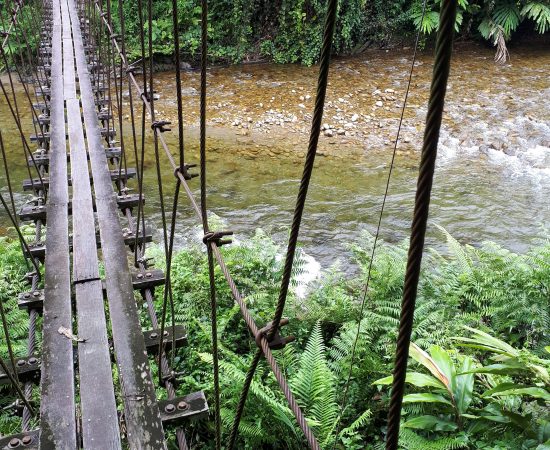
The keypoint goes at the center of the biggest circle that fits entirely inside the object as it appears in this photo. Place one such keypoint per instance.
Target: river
(493, 173)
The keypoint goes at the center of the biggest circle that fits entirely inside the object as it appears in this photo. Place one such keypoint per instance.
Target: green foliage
(12, 272)
(484, 387)
(290, 31)
(510, 399)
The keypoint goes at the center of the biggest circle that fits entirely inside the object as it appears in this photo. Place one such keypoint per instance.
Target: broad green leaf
(416, 379)
(426, 360)
(464, 386)
(502, 387)
(499, 369)
(498, 345)
(430, 423)
(426, 397)
(535, 392)
(445, 364)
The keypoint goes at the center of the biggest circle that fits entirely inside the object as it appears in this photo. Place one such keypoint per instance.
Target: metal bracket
(160, 124)
(28, 369)
(217, 237)
(27, 441)
(32, 213)
(148, 279)
(31, 300)
(185, 173)
(277, 342)
(182, 409)
(152, 338)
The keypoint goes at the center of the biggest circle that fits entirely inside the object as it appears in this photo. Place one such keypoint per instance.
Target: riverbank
(266, 109)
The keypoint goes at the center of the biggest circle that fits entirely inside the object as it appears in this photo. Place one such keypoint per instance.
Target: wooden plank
(100, 428)
(142, 415)
(57, 406)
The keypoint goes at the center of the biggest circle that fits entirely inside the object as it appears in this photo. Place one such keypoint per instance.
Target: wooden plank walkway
(100, 429)
(57, 412)
(141, 411)
(99, 421)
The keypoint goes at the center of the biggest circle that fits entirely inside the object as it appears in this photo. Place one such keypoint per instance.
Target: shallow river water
(493, 174)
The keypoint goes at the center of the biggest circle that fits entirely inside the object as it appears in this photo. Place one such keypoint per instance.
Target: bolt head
(14, 443)
(169, 408)
(183, 406)
(21, 362)
(27, 295)
(36, 293)
(148, 274)
(154, 335)
(140, 276)
(26, 440)
(165, 333)
(33, 360)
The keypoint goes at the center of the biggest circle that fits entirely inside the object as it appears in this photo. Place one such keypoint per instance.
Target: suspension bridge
(104, 394)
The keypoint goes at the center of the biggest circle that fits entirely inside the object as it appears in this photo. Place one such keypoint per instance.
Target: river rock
(189, 91)
(379, 103)
(185, 66)
(341, 131)
(355, 117)
(329, 133)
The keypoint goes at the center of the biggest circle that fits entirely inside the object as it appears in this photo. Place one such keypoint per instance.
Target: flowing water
(493, 174)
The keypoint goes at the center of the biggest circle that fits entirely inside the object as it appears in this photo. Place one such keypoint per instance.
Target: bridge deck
(94, 383)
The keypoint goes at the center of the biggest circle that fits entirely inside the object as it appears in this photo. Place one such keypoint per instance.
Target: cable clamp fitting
(160, 124)
(185, 172)
(277, 342)
(217, 237)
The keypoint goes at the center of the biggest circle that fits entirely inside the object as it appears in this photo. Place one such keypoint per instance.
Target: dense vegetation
(291, 30)
(479, 374)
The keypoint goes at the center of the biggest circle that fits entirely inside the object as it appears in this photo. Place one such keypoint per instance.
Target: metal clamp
(277, 342)
(185, 173)
(217, 237)
(160, 124)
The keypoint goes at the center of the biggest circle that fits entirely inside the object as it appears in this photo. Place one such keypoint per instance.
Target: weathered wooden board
(142, 415)
(57, 407)
(100, 429)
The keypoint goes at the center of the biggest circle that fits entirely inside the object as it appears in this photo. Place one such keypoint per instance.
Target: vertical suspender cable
(442, 64)
(322, 84)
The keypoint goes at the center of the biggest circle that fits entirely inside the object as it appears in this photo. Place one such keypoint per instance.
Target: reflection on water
(492, 178)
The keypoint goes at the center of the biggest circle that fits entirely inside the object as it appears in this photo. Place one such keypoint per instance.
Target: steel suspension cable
(140, 213)
(377, 235)
(205, 226)
(300, 202)
(168, 294)
(442, 64)
(219, 258)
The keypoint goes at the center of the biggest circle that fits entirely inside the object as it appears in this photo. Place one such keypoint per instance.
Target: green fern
(540, 13)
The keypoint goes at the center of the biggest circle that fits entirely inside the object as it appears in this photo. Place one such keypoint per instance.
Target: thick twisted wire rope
(181, 146)
(442, 64)
(140, 212)
(14, 109)
(377, 235)
(19, 46)
(206, 229)
(219, 258)
(300, 203)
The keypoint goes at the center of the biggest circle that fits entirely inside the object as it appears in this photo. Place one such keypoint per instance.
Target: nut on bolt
(183, 406)
(170, 408)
